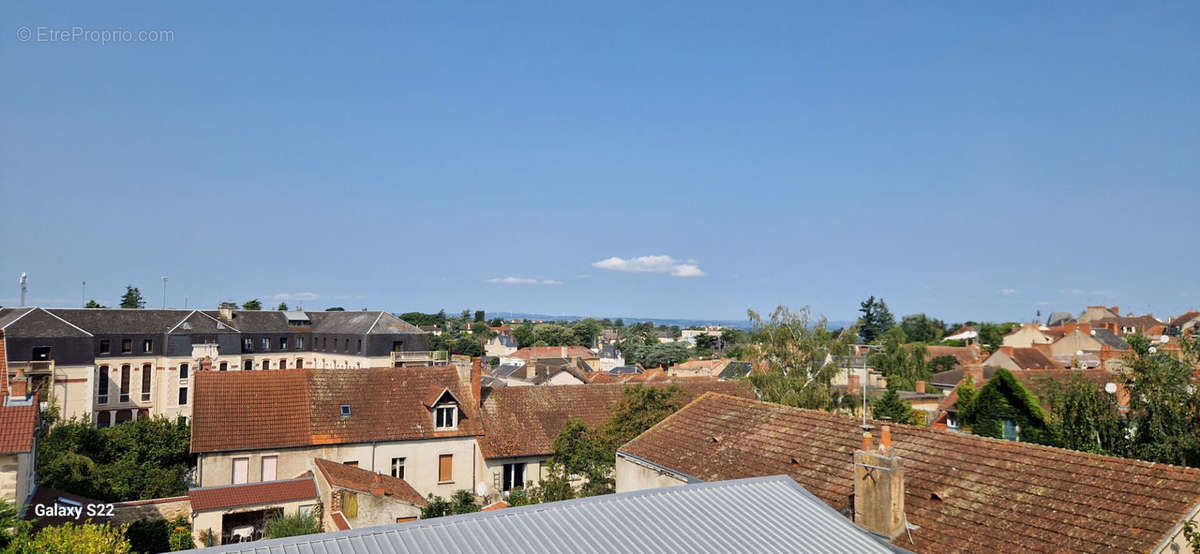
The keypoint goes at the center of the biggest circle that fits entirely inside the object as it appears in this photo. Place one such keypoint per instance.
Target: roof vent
(714, 438)
(345, 410)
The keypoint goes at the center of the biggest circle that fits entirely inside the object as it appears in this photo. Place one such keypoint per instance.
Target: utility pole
(164, 304)
(83, 296)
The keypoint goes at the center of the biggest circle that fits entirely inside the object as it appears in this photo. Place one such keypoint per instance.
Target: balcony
(32, 368)
(420, 357)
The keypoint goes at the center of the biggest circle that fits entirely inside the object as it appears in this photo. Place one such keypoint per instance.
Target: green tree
(1084, 417)
(180, 537)
(71, 538)
(966, 397)
(292, 525)
(991, 335)
(282, 307)
(461, 502)
(586, 332)
(132, 298)
(639, 409)
(1162, 408)
(922, 328)
(252, 305)
(10, 519)
(876, 319)
(942, 363)
(149, 535)
(495, 322)
(93, 304)
(524, 335)
(902, 364)
(137, 460)
(480, 315)
(890, 405)
(619, 323)
(581, 451)
(796, 353)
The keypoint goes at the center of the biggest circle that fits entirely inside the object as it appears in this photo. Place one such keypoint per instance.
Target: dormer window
(446, 416)
(345, 410)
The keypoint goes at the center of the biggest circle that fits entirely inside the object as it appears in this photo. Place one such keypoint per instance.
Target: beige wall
(491, 472)
(378, 510)
(420, 467)
(160, 508)
(211, 520)
(16, 477)
(1176, 541)
(1025, 337)
(1074, 342)
(633, 475)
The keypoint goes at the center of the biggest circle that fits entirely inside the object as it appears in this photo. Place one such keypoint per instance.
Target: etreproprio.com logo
(100, 36)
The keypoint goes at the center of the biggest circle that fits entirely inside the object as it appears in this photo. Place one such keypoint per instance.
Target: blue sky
(683, 159)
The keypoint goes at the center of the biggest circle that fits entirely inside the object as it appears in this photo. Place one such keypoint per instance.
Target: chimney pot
(866, 444)
(885, 439)
(18, 387)
(879, 489)
(377, 485)
(920, 387)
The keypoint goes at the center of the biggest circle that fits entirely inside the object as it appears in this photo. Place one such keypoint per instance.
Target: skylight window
(345, 410)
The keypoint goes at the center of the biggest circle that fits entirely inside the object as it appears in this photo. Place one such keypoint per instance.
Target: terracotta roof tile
(523, 421)
(17, 426)
(964, 493)
(353, 478)
(239, 410)
(231, 496)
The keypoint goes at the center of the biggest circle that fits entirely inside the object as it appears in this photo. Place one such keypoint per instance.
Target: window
(104, 346)
(266, 364)
(446, 417)
(1011, 430)
(266, 344)
(103, 419)
(248, 345)
(282, 363)
(398, 468)
(248, 365)
(360, 345)
(41, 353)
(268, 467)
(124, 384)
(148, 345)
(299, 343)
(514, 476)
(306, 509)
(147, 371)
(299, 363)
(241, 470)
(345, 410)
(351, 463)
(102, 386)
(224, 366)
(183, 396)
(283, 343)
(126, 346)
(183, 372)
(445, 465)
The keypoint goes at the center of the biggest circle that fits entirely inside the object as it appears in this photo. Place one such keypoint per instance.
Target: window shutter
(445, 464)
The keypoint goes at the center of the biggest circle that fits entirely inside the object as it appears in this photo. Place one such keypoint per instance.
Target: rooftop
(770, 514)
(252, 494)
(963, 492)
(358, 479)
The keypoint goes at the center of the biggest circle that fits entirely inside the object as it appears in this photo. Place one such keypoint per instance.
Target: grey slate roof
(1059, 318)
(116, 321)
(764, 514)
(41, 323)
(625, 370)
(1107, 337)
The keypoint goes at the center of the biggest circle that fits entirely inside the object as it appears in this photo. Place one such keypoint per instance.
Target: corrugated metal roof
(765, 514)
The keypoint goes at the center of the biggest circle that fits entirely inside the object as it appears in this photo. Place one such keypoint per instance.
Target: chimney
(3, 368)
(1116, 310)
(18, 388)
(879, 487)
(920, 387)
(976, 373)
(377, 485)
(206, 364)
(1085, 328)
(477, 379)
(1007, 350)
(226, 310)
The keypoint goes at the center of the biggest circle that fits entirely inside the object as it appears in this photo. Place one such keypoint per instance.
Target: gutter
(663, 469)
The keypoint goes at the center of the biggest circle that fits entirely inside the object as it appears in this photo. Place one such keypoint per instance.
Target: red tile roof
(523, 421)
(964, 354)
(536, 352)
(353, 478)
(340, 522)
(252, 494)
(242, 410)
(964, 493)
(17, 427)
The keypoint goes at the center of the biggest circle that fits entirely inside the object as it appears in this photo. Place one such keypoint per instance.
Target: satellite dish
(1110, 388)
(1164, 339)
(1078, 352)
(481, 489)
(1153, 350)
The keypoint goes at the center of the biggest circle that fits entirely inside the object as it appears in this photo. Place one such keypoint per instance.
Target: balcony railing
(420, 356)
(31, 367)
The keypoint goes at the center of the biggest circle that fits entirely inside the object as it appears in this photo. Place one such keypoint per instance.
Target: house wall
(632, 475)
(420, 467)
(491, 472)
(563, 378)
(72, 388)
(211, 520)
(1074, 342)
(378, 510)
(1176, 540)
(1000, 359)
(1025, 337)
(159, 508)
(16, 477)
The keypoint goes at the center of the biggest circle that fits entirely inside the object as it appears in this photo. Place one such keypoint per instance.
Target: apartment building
(116, 365)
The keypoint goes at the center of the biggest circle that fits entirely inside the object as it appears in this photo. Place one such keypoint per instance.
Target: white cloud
(297, 296)
(1073, 291)
(522, 281)
(1008, 292)
(652, 264)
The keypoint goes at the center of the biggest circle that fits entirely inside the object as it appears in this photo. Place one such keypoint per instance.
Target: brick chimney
(976, 373)
(1116, 310)
(920, 387)
(1007, 350)
(3, 368)
(18, 387)
(879, 486)
(1085, 328)
(477, 380)
(377, 486)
